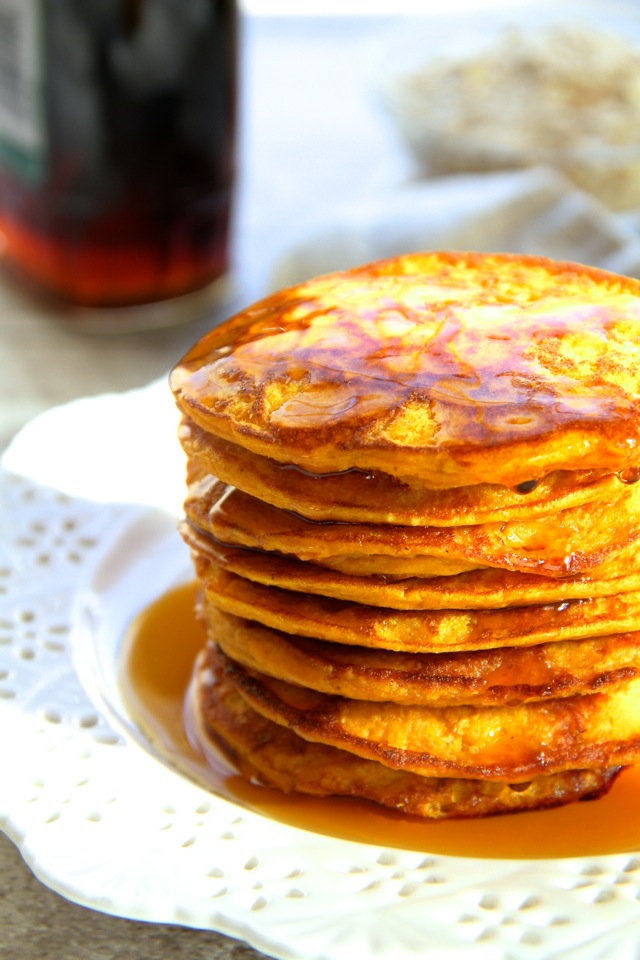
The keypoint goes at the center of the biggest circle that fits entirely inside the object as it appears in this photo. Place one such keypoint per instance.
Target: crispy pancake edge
(501, 676)
(509, 744)
(264, 751)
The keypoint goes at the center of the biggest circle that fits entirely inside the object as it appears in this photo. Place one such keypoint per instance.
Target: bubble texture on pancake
(454, 368)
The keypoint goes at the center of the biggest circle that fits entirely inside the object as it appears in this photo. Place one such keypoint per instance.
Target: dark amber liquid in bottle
(130, 199)
(156, 667)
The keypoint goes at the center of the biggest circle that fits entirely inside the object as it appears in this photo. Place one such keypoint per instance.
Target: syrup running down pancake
(411, 507)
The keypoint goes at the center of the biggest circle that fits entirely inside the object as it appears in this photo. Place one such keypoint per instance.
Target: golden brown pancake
(455, 368)
(419, 631)
(354, 496)
(276, 756)
(507, 675)
(411, 507)
(476, 590)
(574, 541)
(505, 743)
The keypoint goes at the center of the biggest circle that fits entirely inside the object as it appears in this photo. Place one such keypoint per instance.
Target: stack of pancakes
(412, 508)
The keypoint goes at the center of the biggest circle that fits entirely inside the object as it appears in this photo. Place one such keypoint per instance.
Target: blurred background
(356, 129)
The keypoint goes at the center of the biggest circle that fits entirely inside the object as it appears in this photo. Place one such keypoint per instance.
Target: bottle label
(22, 122)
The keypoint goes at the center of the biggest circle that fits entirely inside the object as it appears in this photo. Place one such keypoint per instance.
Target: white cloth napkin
(536, 211)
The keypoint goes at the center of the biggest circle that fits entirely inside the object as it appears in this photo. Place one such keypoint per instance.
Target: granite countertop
(37, 923)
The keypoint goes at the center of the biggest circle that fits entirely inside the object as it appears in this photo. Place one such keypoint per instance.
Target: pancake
(277, 757)
(454, 368)
(354, 496)
(418, 631)
(501, 676)
(505, 743)
(476, 590)
(411, 509)
(574, 541)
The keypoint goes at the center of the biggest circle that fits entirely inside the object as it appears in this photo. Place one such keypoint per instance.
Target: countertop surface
(37, 924)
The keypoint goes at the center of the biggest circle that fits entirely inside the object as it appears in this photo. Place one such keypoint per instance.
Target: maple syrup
(117, 148)
(155, 670)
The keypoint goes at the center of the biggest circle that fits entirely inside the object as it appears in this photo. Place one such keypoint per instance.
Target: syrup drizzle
(629, 475)
(156, 666)
(493, 365)
(527, 486)
(367, 474)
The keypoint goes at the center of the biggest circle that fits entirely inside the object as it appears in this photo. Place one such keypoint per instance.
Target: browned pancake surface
(511, 743)
(274, 755)
(476, 590)
(354, 496)
(573, 541)
(419, 631)
(503, 676)
(454, 368)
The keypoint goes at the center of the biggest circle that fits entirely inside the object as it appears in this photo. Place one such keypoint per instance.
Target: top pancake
(452, 368)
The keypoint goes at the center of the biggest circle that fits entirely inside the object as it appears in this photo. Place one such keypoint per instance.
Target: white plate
(107, 824)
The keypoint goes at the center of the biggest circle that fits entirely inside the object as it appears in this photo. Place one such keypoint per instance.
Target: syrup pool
(155, 670)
